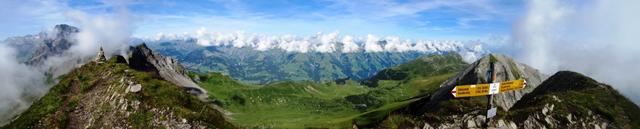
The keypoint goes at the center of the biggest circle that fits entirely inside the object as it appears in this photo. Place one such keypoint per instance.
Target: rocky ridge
(112, 95)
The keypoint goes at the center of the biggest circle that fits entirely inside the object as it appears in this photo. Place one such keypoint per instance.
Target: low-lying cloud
(20, 84)
(109, 31)
(596, 37)
(327, 42)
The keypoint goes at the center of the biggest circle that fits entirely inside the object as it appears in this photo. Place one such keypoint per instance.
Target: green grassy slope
(284, 104)
(328, 105)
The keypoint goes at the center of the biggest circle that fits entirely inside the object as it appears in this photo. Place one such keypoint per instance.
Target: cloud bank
(595, 37)
(20, 84)
(326, 43)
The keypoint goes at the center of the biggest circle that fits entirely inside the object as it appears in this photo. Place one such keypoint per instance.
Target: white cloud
(349, 45)
(326, 43)
(372, 45)
(110, 31)
(597, 38)
(203, 36)
(19, 84)
(264, 43)
(394, 44)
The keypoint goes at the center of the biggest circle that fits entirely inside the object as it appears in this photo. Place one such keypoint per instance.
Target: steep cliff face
(144, 59)
(112, 95)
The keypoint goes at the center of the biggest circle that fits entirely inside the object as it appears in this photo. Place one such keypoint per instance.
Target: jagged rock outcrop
(441, 110)
(505, 68)
(143, 58)
(120, 59)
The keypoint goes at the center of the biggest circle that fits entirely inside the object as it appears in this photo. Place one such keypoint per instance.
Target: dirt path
(61, 112)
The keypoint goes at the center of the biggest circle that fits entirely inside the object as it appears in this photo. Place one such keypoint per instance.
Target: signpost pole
(490, 78)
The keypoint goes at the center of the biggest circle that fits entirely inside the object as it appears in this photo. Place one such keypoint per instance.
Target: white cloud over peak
(17, 80)
(326, 43)
(111, 31)
(349, 45)
(371, 45)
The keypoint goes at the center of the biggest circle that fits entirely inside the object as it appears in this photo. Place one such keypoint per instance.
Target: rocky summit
(565, 100)
(505, 68)
(34, 49)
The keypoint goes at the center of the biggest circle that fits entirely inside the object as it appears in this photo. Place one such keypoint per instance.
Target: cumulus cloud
(326, 43)
(203, 38)
(349, 45)
(598, 38)
(394, 44)
(110, 31)
(371, 45)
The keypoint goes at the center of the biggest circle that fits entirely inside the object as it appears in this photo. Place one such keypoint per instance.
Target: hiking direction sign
(487, 89)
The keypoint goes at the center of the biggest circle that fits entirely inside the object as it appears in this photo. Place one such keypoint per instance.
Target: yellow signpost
(487, 89)
(512, 85)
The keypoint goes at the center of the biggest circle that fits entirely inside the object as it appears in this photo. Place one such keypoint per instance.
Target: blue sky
(413, 19)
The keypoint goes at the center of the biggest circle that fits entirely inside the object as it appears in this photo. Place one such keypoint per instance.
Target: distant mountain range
(252, 64)
(34, 49)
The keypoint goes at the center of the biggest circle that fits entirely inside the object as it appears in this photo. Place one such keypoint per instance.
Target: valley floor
(308, 104)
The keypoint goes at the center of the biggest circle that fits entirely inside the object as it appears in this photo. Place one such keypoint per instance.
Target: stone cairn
(100, 57)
